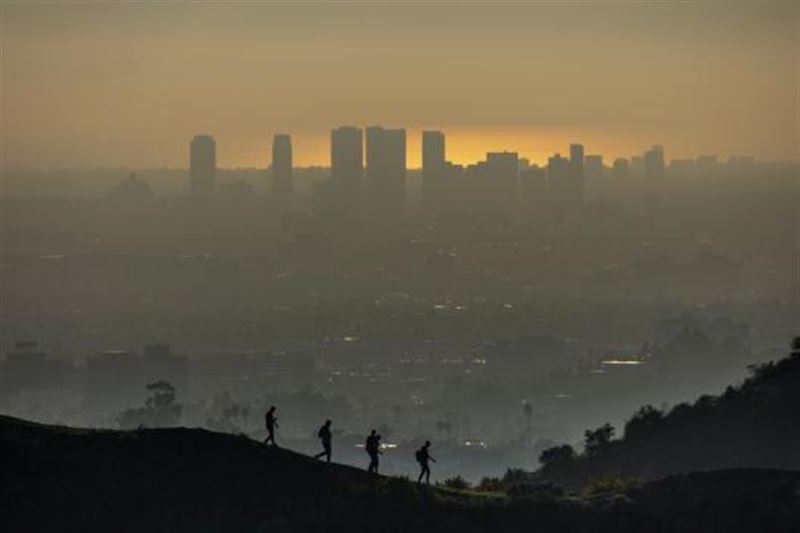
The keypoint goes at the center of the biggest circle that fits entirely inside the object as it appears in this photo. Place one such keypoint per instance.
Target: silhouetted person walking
(271, 422)
(325, 436)
(423, 456)
(373, 447)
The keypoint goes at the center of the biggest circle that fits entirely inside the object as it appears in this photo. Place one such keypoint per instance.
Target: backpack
(420, 456)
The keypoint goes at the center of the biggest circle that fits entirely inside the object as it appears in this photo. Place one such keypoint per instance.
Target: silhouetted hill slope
(754, 425)
(64, 479)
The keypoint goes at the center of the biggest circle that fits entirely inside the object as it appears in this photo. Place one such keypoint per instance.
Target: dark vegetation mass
(755, 424)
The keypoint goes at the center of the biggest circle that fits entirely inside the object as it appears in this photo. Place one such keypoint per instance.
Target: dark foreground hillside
(63, 479)
(754, 425)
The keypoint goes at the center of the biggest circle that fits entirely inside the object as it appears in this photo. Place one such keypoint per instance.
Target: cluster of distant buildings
(368, 171)
(380, 177)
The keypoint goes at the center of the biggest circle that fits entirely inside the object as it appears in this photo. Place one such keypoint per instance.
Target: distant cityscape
(368, 172)
(498, 307)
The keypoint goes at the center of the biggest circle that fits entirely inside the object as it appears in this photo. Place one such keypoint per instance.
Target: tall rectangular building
(433, 162)
(576, 156)
(203, 165)
(282, 164)
(558, 176)
(577, 183)
(347, 160)
(654, 162)
(386, 169)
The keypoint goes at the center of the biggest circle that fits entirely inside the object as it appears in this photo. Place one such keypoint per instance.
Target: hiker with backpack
(325, 436)
(271, 422)
(373, 448)
(423, 456)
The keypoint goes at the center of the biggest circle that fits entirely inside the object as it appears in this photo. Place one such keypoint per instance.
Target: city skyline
(347, 144)
(463, 148)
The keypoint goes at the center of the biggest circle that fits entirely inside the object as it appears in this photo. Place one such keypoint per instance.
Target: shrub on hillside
(457, 483)
(557, 455)
(610, 484)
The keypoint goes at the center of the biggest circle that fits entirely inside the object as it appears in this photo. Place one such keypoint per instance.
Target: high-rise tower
(386, 169)
(203, 165)
(347, 161)
(433, 161)
(577, 184)
(282, 164)
(654, 162)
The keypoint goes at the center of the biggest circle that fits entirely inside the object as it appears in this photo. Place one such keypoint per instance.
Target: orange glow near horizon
(463, 146)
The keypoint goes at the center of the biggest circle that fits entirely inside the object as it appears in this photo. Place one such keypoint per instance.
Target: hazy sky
(107, 84)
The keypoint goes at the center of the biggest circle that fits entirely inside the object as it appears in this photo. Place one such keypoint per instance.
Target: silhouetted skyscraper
(577, 183)
(433, 149)
(282, 164)
(654, 162)
(433, 161)
(347, 160)
(558, 176)
(386, 169)
(203, 165)
(576, 155)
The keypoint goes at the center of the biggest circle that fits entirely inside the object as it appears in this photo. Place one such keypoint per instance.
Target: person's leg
(328, 452)
(421, 473)
(427, 475)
